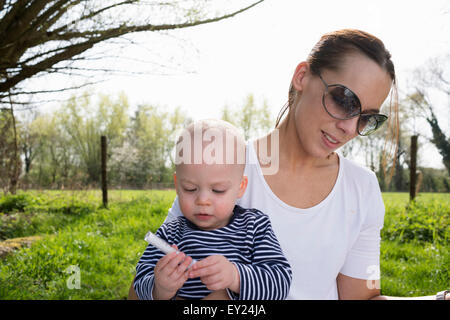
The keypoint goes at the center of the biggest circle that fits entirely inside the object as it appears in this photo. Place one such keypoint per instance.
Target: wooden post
(413, 169)
(104, 184)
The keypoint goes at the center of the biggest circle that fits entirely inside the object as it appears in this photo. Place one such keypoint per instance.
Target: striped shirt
(247, 241)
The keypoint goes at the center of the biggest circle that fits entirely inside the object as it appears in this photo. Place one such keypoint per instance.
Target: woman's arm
(358, 289)
(131, 293)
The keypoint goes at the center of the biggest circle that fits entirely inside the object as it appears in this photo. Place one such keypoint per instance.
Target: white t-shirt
(341, 234)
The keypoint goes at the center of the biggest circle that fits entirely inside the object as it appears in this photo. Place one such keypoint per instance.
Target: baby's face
(207, 193)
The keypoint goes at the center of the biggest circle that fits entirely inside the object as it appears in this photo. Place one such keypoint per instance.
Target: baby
(236, 250)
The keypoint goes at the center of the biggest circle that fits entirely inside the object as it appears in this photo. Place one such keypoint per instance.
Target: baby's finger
(169, 255)
(162, 263)
(203, 272)
(208, 261)
(211, 279)
(187, 261)
(214, 282)
(182, 267)
(175, 261)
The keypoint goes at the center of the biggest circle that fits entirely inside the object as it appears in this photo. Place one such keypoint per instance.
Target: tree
(30, 142)
(9, 159)
(253, 120)
(41, 36)
(149, 146)
(439, 138)
(53, 156)
(399, 179)
(433, 76)
(85, 124)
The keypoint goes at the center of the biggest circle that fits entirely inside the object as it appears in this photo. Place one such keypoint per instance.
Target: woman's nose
(348, 126)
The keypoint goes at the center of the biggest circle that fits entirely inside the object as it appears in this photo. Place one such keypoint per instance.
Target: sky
(257, 51)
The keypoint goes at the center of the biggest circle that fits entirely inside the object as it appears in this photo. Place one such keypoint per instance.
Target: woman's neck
(293, 155)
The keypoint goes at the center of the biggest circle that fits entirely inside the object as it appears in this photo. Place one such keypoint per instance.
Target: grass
(105, 244)
(100, 247)
(414, 253)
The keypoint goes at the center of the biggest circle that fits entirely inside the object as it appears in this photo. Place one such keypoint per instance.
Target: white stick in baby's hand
(159, 243)
(162, 245)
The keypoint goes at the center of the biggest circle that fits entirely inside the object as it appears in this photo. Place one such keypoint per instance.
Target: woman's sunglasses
(342, 103)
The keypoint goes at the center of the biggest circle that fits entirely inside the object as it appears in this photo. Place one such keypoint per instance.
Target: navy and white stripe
(248, 241)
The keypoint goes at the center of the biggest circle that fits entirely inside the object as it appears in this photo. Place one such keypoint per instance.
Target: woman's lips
(329, 140)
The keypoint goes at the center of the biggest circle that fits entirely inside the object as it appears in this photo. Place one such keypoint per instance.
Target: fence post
(104, 184)
(412, 169)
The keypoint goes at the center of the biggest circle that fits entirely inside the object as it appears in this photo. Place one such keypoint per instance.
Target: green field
(105, 244)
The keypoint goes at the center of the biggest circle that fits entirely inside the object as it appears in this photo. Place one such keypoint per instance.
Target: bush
(423, 220)
(30, 214)
(18, 202)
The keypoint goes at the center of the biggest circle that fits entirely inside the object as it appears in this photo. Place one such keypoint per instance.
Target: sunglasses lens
(369, 123)
(341, 102)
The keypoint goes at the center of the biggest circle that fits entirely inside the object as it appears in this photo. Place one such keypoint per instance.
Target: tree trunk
(16, 163)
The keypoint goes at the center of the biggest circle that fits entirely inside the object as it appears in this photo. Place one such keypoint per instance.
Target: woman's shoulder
(357, 173)
(359, 176)
(354, 168)
(365, 190)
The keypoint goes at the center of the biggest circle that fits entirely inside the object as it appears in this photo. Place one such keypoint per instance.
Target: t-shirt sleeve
(174, 211)
(363, 259)
(269, 275)
(144, 280)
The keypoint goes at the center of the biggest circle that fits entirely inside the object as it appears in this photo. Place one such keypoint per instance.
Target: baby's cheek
(225, 207)
(185, 205)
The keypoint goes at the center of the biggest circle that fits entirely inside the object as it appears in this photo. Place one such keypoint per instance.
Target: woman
(326, 211)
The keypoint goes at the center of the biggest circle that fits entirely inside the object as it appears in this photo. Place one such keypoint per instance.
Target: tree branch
(29, 71)
(19, 93)
(12, 49)
(11, 15)
(115, 32)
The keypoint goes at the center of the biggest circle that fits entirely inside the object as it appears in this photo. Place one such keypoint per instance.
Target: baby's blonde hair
(210, 141)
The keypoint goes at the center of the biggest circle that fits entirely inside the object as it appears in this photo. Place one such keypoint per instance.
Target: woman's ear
(299, 75)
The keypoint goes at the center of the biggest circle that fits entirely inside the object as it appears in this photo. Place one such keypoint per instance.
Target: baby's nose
(202, 199)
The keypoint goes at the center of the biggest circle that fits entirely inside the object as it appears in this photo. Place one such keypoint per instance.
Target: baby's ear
(243, 186)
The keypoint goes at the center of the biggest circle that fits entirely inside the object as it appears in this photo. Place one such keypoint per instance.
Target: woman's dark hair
(330, 52)
(332, 48)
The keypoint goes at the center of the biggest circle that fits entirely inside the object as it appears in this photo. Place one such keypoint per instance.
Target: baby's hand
(217, 273)
(170, 274)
